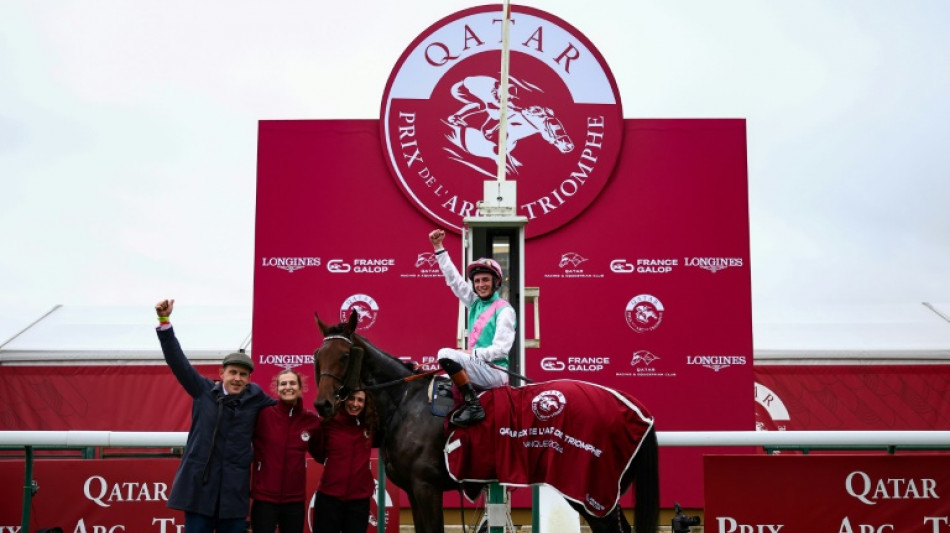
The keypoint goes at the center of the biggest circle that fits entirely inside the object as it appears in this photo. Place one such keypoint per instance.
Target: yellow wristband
(163, 319)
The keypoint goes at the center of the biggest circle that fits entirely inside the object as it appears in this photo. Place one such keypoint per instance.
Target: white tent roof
(111, 335)
(903, 332)
(908, 332)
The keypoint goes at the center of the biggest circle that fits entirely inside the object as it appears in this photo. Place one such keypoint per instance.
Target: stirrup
(467, 416)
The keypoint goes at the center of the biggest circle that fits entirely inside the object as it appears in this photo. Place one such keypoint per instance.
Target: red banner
(647, 291)
(852, 397)
(95, 398)
(843, 494)
(119, 495)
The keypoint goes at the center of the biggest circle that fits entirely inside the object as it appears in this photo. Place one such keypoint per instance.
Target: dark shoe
(471, 412)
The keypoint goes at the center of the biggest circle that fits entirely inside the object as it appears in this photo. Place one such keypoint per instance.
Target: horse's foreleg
(426, 503)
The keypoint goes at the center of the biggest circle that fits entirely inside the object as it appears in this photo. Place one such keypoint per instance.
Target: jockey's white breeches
(482, 375)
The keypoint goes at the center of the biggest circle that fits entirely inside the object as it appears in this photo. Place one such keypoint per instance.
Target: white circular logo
(548, 404)
(441, 111)
(644, 312)
(771, 413)
(365, 307)
(305, 436)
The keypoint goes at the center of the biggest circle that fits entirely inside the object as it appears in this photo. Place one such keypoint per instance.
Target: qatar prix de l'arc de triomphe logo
(441, 108)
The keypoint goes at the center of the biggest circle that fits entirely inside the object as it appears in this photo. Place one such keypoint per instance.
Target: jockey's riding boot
(471, 411)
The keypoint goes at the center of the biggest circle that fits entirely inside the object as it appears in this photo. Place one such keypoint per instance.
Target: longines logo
(712, 264)
(643, 266)
(366, 308)
(644, 312)
(286, 361)
(715, 362)
(290, 264)
(360, 266)
(441, 112)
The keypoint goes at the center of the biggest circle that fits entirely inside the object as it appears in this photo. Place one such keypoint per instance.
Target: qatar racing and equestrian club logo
(548, 404)
(440, 117)
(366, 310)
(644, 312)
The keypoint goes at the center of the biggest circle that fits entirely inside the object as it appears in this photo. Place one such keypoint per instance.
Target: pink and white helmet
(487, 265)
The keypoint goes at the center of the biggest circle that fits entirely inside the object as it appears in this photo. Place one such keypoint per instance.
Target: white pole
(93, 438)
(503, 95)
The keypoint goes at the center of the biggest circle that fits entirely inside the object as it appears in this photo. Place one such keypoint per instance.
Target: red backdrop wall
(326, 204)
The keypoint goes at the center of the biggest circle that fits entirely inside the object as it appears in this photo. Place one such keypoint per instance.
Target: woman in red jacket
(279, 474)
(343, 446)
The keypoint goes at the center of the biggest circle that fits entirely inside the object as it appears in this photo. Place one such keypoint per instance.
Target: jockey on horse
(480, 94)
(491, 322)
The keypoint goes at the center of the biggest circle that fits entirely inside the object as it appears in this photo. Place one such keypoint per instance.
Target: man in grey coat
(212, 485)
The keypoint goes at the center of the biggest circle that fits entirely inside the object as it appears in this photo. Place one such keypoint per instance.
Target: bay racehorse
(413, 439)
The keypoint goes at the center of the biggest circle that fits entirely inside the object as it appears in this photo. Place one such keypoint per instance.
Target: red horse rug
(578, 437)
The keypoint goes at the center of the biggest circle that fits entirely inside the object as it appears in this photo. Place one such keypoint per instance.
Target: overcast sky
(128, 133)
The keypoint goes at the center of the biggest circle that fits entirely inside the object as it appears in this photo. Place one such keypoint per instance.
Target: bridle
(342, 390)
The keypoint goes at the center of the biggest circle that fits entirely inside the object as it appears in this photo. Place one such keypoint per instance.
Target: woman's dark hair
(369, 417)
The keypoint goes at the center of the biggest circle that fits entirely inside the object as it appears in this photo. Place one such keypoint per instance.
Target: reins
(342, 381)
(412, 377)
(406, 379)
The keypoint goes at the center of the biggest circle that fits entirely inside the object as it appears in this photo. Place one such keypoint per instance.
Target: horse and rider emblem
(441, 118)
(548, 404)
(644, 312)
(474, 126)
(365, 308)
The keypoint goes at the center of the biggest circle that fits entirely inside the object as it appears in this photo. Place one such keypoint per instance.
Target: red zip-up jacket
(281, 438)
(344, 446)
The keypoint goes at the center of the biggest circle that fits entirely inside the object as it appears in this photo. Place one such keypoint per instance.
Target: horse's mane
(406, 368)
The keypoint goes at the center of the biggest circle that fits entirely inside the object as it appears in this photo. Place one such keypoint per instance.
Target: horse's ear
(323, 327)
(352, 322)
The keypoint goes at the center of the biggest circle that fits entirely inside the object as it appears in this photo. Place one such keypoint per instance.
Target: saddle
(441, 397)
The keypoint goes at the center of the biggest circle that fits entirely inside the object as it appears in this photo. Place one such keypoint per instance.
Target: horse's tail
(646, 473)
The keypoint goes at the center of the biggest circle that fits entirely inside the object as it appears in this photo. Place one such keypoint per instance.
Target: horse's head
(336, 364)
(550, 128)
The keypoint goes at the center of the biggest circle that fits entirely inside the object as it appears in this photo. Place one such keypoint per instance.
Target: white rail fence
(665, 438)
(889, 439)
